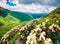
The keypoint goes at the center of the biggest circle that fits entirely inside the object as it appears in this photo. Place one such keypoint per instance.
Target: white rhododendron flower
(48, 41)
(41, 38)
(31, 39)
(53, 27)
(47, 20)
(22, 28)
(57, 21)
(38, 30)
(43, 33)
(43, 24)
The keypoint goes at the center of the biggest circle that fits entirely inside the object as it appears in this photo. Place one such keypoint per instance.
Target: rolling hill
(18, 15)
(10, 19)
(48, 26)
(36, 15)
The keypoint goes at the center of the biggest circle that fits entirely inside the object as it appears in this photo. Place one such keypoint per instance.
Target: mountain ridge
(5, 11)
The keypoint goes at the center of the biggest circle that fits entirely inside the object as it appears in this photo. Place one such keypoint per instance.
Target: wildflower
(47, 20)
(57, 21)
(29, 24)
(38, 30)
(52, 28)
(48, 41)
(3, 40)
(41, 38)
(33, 42)
(58, 28)
(22, 28)
(31, 39)
(44, 27)
(43, 33)
(27, 42)
(26, 27)
(32, 32)
(55, 25)
(43, 24)
(22, 36)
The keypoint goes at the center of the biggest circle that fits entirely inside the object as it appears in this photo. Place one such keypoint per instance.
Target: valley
(14, 26)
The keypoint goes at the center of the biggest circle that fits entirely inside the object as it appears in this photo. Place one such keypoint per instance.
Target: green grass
(7, 23)
(14, 38)
(6, 28)
(16, 35)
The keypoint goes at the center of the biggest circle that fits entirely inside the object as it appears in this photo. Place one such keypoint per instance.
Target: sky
(33, 6)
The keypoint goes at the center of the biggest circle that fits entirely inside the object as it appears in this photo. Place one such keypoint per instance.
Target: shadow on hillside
(3, 13)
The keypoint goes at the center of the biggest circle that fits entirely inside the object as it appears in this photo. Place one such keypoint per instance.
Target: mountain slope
(53, 15)
(19, 15)
(10, 19)
(52, 19)
(36, 15)
(47, 27)
(52, 35)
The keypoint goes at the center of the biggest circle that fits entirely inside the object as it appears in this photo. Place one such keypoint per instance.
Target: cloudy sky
(36, 6)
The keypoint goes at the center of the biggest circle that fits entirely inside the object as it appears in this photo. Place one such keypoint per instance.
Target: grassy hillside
(35, 28)
(22, 16)
(54, 18)
(19, 15)
(10, 19)
(53, 15)
(47, 27)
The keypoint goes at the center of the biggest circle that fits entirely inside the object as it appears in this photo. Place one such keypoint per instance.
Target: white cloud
(27, 8)
(43, 2)
(3, 4)
(48, 1)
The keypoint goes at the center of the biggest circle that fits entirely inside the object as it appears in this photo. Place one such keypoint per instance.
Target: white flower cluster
(6, 37)
(54, 27)
(38, 34)
(25, 29)
(20, 28)
(42, 36)
(31, 39)
(33, 32)
(33, 36)
(48, 41)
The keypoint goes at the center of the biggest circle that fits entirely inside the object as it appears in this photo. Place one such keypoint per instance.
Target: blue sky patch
(10, 3)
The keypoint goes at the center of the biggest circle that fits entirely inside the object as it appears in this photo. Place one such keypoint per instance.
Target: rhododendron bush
(43, 33)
